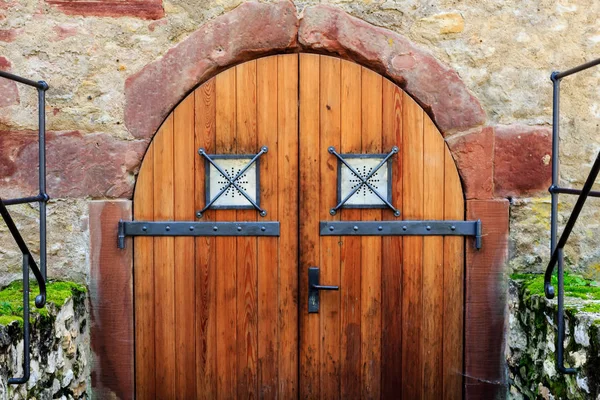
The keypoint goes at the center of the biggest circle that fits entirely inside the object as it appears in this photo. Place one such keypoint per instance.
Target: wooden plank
(485, 296)
(247, 318)
(453, 301)
(371, 109)
(269, 263)
(391, 267)
(351, 142)
(433, 261)
(111, 299)
(287, 167)
(310, 182)
(184, 153)
(206, 305)
(329, 108)
(164, 264)
(412, 250)
(143, 200)
(226, 249)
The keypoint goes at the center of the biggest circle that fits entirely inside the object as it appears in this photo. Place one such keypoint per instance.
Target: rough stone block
(145, 9)
(522, 161)
(78, 165)
(474, 154)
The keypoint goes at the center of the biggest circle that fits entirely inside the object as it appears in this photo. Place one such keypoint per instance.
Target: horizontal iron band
(192, 228)
(561, 190)
(24, 200)
(402, 228)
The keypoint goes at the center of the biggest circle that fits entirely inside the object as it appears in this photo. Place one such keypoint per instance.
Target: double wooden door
(226, 317)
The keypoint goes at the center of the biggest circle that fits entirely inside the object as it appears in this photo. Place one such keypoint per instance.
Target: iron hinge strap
(192, 228)
(403, 228)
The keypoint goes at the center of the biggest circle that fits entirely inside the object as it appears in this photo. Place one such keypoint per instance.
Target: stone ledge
(531, 342)
(59, 343)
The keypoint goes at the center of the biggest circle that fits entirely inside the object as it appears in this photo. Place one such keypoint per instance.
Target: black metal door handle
(325, 287)
(313, 289)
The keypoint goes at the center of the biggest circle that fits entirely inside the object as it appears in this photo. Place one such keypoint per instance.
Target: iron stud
(239, 228)
(215, 228)
(355, 228)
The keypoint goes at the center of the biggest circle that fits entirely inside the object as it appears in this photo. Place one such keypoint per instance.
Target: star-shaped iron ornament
(233, 181)
(367, 184)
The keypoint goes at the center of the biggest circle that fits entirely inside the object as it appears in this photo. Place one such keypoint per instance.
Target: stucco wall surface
(502, 51)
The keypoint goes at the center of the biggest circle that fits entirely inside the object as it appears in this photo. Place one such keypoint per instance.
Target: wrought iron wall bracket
(42, 198)
(193, 228)
(402, 228)
(557, 245)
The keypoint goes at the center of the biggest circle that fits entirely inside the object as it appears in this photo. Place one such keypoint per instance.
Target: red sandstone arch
(255, 29)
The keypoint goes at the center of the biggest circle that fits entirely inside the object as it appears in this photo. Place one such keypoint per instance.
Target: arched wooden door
(227, 317)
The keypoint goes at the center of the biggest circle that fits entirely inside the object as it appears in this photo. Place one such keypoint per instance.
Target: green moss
(7, 319)
(11, 298)
(575, 285)
(591, 307)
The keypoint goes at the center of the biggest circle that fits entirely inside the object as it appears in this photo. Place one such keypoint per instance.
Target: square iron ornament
(232, 181)
(364, 181)
(248, 181)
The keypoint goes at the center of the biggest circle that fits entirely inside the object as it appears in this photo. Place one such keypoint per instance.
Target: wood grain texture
(184, 154)
(486, 299)
(205, 280)
(247, 306)
(433, 261)
(371, 250)
(226, 247)
(391, 267)
(350, 261)
(287, 165)
(143, 258)
(164, 265)
(226, 317)
(412, 251)
(111, 300)
(329, 132)
(309, 196)
(453, 310)
(268, 255)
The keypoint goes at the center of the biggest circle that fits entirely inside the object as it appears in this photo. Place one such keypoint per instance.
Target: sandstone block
(251, 30)
(78, 165)
(442, 24)
(473, 154)
(145, 9)
(9, 93)
(438, 89)
(8, 35)
(522, 162)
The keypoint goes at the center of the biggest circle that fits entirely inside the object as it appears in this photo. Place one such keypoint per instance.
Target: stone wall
(531, 344)
(503, 52)
(60, 358)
